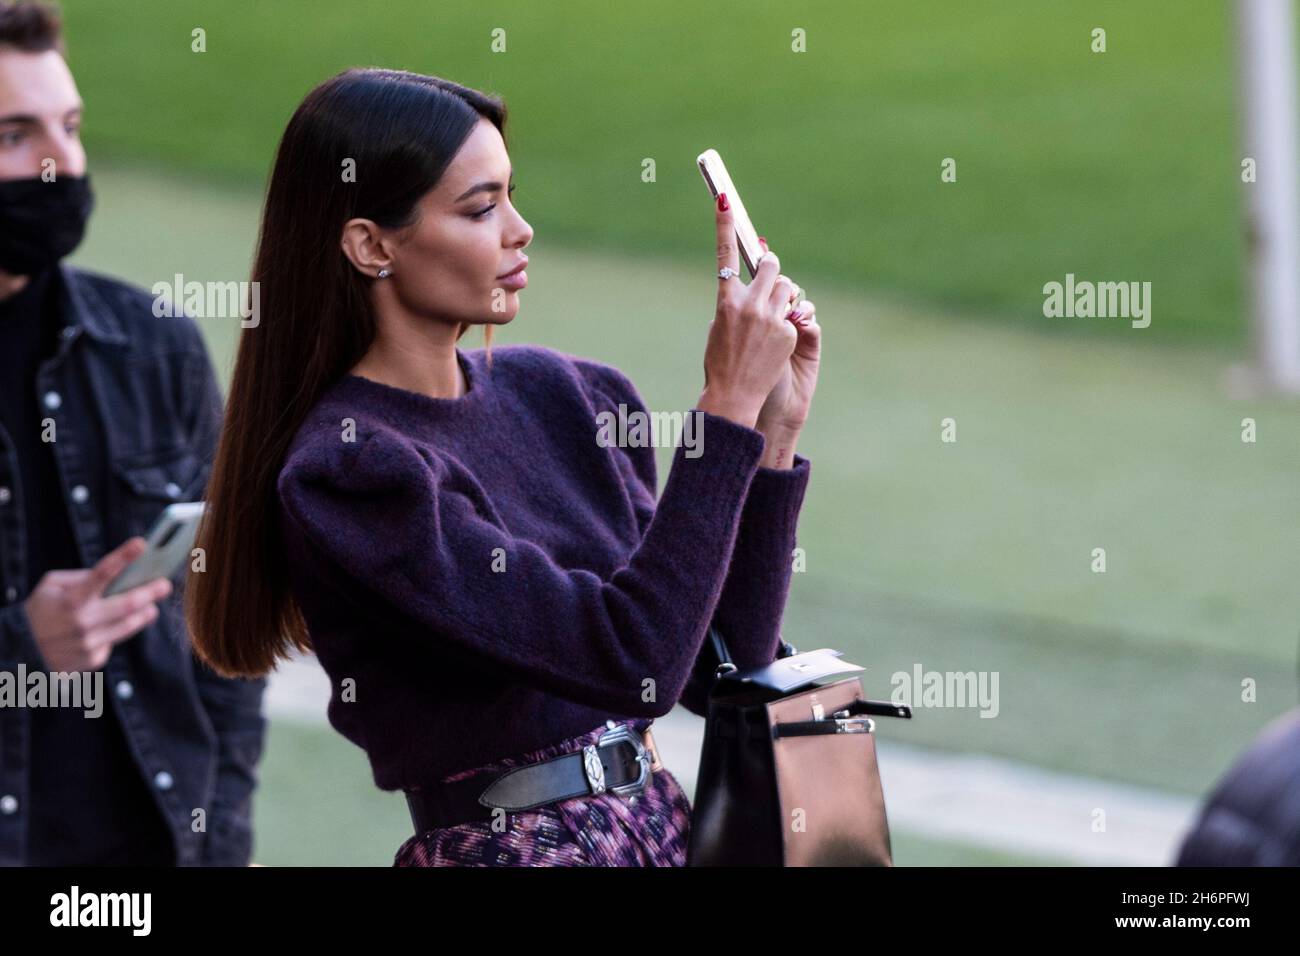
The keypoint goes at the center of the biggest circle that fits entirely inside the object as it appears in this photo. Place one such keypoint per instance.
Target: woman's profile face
(467, 235)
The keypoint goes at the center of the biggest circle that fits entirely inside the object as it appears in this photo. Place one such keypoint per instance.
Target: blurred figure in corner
(1253, 816)
(107, 414)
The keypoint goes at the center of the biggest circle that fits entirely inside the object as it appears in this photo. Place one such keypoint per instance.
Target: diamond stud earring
(383, 274)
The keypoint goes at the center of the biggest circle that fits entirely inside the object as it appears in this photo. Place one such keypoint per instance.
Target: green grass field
(1118, 166)
(311, 774)
(966, 556)
(1072, 435)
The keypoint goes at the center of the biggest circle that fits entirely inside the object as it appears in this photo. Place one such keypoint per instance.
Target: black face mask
(41, 222)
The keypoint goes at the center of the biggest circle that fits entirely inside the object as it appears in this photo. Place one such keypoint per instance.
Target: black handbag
(788, 773)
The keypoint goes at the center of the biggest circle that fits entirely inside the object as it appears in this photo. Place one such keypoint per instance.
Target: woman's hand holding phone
(750, 342)
(785, 411)
(786, 404)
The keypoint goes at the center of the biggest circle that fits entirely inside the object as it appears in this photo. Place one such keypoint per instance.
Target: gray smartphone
(167, 547)
(719, 180)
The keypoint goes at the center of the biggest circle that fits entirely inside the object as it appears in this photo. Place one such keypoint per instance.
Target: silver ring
(726, 272)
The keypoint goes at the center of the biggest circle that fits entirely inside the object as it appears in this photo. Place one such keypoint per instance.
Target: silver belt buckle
(595, 771)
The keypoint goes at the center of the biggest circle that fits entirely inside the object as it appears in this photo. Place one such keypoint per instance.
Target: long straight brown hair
(400, 131)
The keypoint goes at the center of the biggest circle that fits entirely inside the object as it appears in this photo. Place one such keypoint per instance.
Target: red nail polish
(764, 242)
(723, 205)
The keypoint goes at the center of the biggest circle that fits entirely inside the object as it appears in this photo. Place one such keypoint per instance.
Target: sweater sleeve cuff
(776, 494)
(724, 457)
(698, 514)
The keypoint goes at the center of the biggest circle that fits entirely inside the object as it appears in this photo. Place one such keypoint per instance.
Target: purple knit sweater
(481, 577)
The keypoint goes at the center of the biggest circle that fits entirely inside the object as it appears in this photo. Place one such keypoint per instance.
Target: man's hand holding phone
(75, 626)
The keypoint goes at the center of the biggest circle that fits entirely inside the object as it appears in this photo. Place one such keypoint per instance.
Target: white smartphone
(167, 547)
(716, 176)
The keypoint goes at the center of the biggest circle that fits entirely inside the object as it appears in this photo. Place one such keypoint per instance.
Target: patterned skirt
(605, 830)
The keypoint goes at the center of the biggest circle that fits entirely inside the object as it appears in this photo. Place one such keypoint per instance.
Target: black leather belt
(621, 761)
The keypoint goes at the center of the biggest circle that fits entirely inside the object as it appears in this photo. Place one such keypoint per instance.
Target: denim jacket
(196, 737)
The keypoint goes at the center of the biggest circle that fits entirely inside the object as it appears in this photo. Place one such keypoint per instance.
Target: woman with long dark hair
(500, 604)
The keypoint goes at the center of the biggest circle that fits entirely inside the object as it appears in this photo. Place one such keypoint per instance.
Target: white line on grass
(974, 799)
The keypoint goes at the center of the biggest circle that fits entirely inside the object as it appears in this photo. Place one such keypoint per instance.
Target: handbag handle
(847, 720)
(786, 649)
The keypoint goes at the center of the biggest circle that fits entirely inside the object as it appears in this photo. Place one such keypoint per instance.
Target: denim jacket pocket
(154, 483)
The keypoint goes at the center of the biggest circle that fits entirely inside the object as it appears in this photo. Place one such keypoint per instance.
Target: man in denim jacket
(108, 413)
